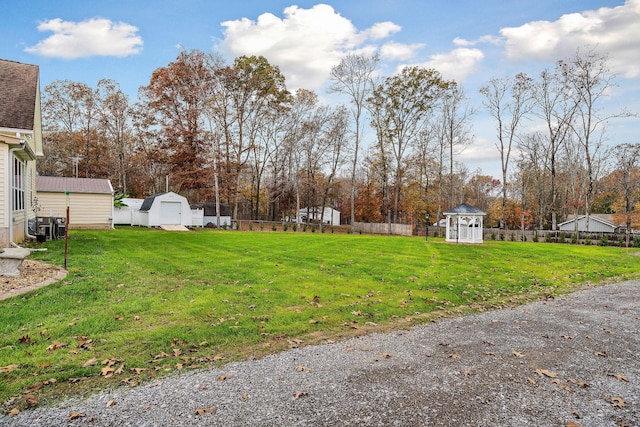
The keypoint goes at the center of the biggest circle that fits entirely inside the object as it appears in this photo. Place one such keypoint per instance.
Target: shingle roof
(148, 202)
(18, 89)
(465, 208)
(73, 185)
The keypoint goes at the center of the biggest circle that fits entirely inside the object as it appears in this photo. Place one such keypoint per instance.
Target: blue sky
(470, 41)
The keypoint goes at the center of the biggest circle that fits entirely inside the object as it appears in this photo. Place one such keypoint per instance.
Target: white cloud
(614, 31)
(399, 51)
(455, 65)
(458, 41)
(382, 30)
(305, 43)
(93, 37)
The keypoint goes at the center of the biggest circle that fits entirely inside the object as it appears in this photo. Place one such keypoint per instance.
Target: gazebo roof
(464, 209)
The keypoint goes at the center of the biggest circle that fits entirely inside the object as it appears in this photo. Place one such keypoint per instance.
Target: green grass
(156, 302)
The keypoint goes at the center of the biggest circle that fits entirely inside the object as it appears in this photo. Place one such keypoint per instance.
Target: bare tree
(589, 79)
(508, 100)
(354, 76)
(627, 157)
(556, 106)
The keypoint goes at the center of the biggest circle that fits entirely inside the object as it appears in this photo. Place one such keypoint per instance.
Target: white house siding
(595, 226)
(4, 197)
(86, 210)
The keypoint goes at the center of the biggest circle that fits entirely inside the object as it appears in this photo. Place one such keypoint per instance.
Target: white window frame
(17, 185)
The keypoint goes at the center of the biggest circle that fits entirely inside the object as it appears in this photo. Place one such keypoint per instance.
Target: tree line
(233, 134)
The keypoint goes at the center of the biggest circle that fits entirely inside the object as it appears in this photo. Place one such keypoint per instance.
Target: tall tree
(556, 106)
(627, 158)
(399, 107)
(589, 79)
(508, 100)
(115, 120)
(354, 76)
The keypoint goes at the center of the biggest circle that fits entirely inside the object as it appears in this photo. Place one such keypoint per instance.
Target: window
(17, 184)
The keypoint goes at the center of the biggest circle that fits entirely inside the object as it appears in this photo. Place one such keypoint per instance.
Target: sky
(470, 41)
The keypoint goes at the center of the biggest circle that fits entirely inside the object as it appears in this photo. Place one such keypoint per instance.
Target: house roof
(55, 184)
(18, 92)
(592, 217)
(464, 208)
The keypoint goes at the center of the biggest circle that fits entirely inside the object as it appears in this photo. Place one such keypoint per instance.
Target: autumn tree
(175, 100)
(399, 107)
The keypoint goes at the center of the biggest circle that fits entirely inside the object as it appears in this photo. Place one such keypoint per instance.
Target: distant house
(464, 224)
(20, 145)
(329, 216)
(90, 201)
(598, 223)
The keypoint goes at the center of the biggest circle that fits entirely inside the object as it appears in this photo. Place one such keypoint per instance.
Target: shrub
(535, 239)
(285, 226)
(635, 242)
(548, 238)
(273, 227)
(313, 228)
(250, 226)
(493, 236)
(295, 226)
(513, 237)
(261, 226)
(574, 238)
(561, 238)
(502, 236)
(304, 228)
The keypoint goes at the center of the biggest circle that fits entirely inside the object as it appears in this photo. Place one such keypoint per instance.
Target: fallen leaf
(618, 402)
(454, 356)
(245, 397)
(302, 368)
(572, 424)
(386, 355)
(90, 362)
(601, 353)
(224, 377)
(56, 346)
(75, 415)
(561, 385)
(110, 403)
(31, 400)
(8, 368)
(532, 381)
(546, 373)
(45, 365)
(25, 339)
(204, 411)
(299, 394)
(13, 412)
(517, 353)
(34, 388)
(107, 372)
(119, 370)
(620, 377)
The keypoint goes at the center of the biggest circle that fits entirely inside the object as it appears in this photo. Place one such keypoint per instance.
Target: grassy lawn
(140, 303)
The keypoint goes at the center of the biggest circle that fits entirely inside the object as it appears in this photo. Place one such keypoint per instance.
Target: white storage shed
(165, 209)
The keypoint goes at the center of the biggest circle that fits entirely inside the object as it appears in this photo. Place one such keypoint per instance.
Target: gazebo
(464, 224)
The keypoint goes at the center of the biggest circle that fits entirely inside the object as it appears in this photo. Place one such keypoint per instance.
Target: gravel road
(570, 361)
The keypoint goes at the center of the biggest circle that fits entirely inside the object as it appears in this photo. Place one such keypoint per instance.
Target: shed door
(170, 213)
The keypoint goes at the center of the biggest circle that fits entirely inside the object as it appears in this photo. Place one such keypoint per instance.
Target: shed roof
(18, 91)
(464, 208)
(56, 184)
(148, 202)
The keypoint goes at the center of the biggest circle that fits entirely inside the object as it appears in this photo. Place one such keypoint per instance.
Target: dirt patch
(33, 275)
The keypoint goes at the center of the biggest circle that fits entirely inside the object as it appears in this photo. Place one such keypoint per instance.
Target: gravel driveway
(571, 361)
